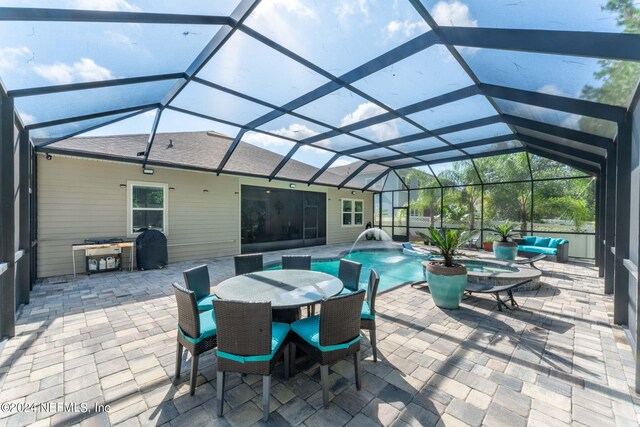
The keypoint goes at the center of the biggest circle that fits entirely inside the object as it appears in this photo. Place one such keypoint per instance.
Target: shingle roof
(196, 150)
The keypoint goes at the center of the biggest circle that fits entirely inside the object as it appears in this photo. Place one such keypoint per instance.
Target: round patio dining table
(284, 288)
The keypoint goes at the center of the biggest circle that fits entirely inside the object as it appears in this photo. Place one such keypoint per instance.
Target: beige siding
(82, 198)
(336, 233)
(79, 199)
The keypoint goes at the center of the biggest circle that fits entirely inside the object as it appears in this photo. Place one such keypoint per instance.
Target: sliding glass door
(276, 219)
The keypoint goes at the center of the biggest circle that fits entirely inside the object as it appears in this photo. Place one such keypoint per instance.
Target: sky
(336, 35)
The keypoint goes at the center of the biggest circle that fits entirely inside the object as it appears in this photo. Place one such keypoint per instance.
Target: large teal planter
(447, 284)
(505, 251)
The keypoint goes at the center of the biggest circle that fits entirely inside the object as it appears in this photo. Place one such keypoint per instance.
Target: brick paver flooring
(110, 340)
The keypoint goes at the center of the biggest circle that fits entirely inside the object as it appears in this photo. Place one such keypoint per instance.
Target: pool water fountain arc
(374, 235)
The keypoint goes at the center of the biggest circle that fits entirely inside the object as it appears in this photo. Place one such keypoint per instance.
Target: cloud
(295, 131)
(118, 38)
(453, 13)
(406, 28)
(363, 111)
(551, 90)
(342, 162)
(117, 5)
(84, 70)
(349, 8)
(11, 56)
(292, 7)
(380, 132)
(27, 118)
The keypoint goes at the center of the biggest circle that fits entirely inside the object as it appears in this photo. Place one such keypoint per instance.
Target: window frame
(130, 208)
(352, 213)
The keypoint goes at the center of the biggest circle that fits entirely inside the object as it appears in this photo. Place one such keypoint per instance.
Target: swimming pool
(397, 269)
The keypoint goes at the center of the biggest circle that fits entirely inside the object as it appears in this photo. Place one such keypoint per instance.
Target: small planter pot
(447, 284)
(488, 246)
(505, 251)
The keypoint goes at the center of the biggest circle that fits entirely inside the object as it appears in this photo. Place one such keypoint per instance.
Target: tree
(619, 78)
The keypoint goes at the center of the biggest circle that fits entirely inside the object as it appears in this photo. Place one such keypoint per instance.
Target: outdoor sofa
(558, 248)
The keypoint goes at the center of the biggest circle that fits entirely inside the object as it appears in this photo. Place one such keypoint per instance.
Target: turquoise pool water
(394, 268)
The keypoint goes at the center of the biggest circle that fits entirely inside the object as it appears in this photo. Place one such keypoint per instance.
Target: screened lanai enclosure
(456, 113)
(535, 194)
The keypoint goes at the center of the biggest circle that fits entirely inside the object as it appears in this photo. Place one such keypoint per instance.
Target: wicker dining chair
(196, 331)
(349, 273)
(197, 280)
(249, 343)
(368, 314)
(331, 336)
(296, 262)
(248, 263)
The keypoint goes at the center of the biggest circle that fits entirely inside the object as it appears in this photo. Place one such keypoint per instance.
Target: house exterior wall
(82, 198)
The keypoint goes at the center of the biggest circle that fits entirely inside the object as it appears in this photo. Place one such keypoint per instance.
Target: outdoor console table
(285, 289)
(91, 246)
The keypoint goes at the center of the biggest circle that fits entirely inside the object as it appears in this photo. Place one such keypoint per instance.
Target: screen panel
(464, 110)
(330, 33)
(559, 118)
(608, 82)
(305, 163)
(218, 104)
(429, 73)
(248, 66)
(52, 53)
(566, 15)
(44, 108)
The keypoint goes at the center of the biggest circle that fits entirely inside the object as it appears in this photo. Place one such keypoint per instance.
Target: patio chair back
(296, 262)
(248, 263)
(372, 291)
(197, 280)
(349, 273)
(188, 318)
(244, 328)
(340, 318)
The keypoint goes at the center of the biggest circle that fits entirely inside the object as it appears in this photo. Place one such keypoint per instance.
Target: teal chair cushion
(366, 312)
(538, 249)
(279, 333)
(345, 291)
(309, 330)
(207, 327)
(206, 303)
(543, 242)
(530, 240)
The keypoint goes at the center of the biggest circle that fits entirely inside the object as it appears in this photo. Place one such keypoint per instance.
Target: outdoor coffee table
(286, 289)
(486, 288)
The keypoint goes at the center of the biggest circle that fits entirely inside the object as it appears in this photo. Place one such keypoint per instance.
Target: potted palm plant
(505, 249)
(447, 279)
(487, 245)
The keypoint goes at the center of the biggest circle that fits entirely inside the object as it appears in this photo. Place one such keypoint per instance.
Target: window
(147, 207)
(352, 212)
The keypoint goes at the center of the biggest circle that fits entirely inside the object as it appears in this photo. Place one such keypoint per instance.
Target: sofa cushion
(553, 243)
(543, 242)
(538, 249)
(530, 240)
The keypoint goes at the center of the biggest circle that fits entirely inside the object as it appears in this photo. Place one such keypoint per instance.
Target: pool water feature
(397, 269)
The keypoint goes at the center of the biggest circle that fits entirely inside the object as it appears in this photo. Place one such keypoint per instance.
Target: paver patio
(110, 339)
